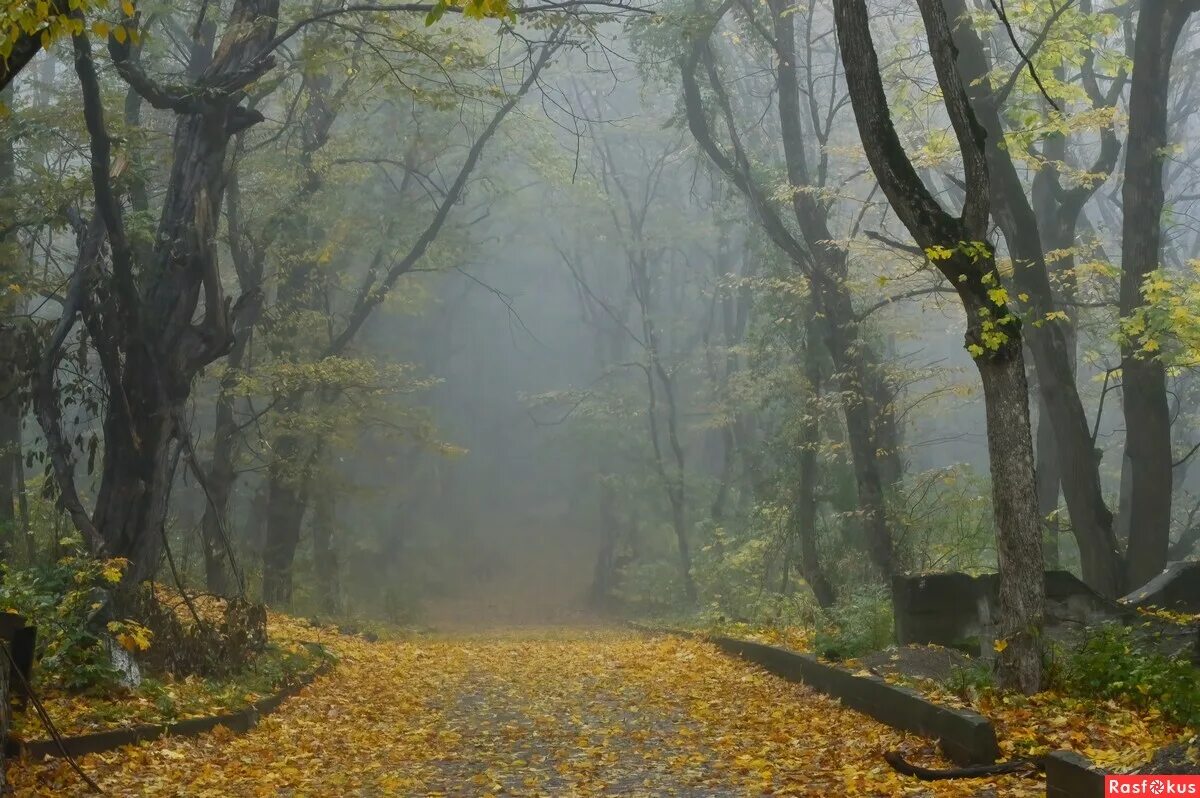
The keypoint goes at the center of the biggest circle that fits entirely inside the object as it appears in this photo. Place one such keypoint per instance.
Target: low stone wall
(1069, 775)
(966, 738)
(957, 610)
(241, 721)
(945, 609)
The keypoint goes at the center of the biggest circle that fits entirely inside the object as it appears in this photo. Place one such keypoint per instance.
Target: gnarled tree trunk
(146, 333)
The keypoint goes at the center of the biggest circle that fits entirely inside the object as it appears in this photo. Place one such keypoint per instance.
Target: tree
(958, 247)
(644, 252)
(31, 27)
(1148, 455)
(154, 306)
(291, 470)
(1048, 337)
(863, 385)
(149, 343)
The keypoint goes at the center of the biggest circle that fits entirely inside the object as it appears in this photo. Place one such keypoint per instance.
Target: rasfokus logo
(1151, 785)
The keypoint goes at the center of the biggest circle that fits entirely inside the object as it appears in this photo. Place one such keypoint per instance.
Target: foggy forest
(600, 398)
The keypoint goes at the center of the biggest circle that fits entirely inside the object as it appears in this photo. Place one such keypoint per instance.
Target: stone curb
(965, 737)
(239, 722)
(1069, 775)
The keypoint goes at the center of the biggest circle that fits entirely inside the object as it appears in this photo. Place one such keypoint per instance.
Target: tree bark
(860, 373)
(1143, 377)
(25, 46)
(872, 436)
(733, 309)
(150, 339)
(10, 377)
(604, 572)
(805, 509)
(221, 473)
(1047, 338)
(319, 114)
(325, 552)
(959, 250)
(673, 476)
(1018, 536)
(1048, 481)
(10, 456)
(220, 478)
(289, 481)
(287, 503)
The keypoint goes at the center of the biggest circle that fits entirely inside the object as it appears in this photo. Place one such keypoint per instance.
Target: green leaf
(435, 13)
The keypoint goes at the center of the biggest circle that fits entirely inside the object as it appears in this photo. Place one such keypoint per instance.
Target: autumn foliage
(581, 713)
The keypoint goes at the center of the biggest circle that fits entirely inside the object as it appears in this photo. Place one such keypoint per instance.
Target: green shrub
(859, 624)
(60, 600)
(1111, 663)
(968, 681)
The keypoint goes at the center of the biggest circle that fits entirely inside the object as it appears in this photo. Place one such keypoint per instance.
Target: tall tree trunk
(679, 524)
(26, 524)
(325, 552)
(131, 507)
(10, 461)
(860, 415)
(728, 460)
(1014, 502)
(993, 332)
(673, 474)
(604, 572)
(142, 419)
(10, 377)
(860, 378)
(221, 474)
(286, 506)
(804, 512)
(889, 437)
(220, 479)
(152, 334)
(287, 503)
(319, 114)
(1143, 377)
(822, 262)
(1057, 235)
(1048, 340)
(1048, 482)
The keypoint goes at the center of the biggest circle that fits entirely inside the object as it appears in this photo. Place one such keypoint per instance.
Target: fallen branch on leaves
(900, 765)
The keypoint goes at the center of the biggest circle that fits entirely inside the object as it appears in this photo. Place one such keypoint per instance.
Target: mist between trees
(520, 313)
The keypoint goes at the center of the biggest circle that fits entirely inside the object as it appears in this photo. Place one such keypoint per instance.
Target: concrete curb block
(239, 722)
(966, 738)
(1069, 775)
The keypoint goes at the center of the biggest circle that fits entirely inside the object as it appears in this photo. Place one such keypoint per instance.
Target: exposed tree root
(899, 764)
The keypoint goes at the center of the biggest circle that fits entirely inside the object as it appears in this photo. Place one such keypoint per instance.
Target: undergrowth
(74, 672)
(1112, 663)
(857, 625)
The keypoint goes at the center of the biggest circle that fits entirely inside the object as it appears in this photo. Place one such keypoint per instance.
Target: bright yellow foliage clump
(47, 22)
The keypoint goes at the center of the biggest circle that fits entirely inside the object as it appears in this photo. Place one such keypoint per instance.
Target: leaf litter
(568, 712)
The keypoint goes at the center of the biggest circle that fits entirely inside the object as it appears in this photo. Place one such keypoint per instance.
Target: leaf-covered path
(555, 713)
